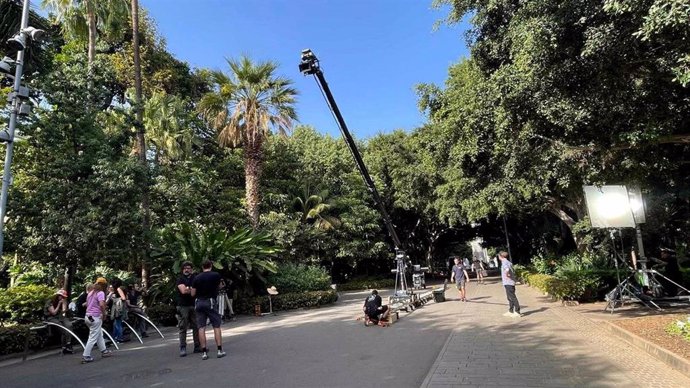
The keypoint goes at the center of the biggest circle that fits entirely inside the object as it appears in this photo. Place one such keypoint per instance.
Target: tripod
(641, 286)
(626, 290)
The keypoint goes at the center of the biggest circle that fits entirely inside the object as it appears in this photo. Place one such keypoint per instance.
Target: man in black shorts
(205, 290)
(374, 311)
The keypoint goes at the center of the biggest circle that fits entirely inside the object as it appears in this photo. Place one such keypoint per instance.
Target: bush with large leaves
(243, 255)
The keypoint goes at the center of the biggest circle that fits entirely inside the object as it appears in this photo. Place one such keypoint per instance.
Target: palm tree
(314, 209)
(83, 19)
(244, 108)
(167, 127)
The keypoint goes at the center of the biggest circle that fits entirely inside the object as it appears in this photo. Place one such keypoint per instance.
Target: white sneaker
(508, 314)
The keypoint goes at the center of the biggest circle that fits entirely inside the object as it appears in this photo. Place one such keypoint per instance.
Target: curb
(669, 358)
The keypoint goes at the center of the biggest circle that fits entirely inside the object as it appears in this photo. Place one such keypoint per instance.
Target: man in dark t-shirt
(205, 290)
(186, 317)
(373, 308)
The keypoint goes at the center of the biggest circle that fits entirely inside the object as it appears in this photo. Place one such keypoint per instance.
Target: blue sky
(372, 52)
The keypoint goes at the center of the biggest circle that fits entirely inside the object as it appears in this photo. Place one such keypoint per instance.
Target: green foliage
(542, 282)
(521, 272)
(13, 338)
(544, 265)
(295, 278)
(243, 250)
(104, 270)
(23, 304)
(366, 284)
(680, 328)
(575, 285)
(165, 314)
(287, 301)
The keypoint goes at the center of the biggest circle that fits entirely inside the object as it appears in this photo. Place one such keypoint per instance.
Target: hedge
(24, 303)
(366, 284)
(570, 285)
(12, 339)
(163, 314)
(299, 278)
(287, 301)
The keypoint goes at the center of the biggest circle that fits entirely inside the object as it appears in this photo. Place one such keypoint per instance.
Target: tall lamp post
(20, 105)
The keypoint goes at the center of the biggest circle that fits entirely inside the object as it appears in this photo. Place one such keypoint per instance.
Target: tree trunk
(91, 20)
(252, 174)
(140, 148)
(569, 222)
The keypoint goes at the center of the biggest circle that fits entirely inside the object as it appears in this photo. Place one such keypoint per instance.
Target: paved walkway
(551, 346)
(439, 345)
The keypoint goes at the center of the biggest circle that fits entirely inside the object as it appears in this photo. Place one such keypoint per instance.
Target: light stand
(622, 207)
(19, 97)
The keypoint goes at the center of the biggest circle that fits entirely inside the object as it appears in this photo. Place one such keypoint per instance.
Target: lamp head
(37, 35)
(6, 65)
(18, 42)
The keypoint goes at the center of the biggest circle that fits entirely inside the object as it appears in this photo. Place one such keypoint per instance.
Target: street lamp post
(20, 106)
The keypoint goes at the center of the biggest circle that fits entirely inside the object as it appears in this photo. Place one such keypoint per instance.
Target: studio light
(609, 207)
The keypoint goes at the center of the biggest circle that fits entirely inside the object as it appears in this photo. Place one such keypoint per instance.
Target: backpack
(118, 310)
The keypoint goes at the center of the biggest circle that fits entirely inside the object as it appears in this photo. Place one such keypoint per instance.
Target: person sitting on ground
(374, 309)
(54, 311)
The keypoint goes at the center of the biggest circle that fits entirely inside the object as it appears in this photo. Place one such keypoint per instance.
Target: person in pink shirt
(95, 311)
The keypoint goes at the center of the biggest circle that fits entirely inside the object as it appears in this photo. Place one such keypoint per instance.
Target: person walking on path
(186, 317)
(459, 275)
(479, 270)
(95, 311)
(54, 311)
(205, 290)
(508, 278)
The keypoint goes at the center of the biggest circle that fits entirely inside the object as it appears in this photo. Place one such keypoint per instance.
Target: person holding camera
(95, 311)
(55, 311)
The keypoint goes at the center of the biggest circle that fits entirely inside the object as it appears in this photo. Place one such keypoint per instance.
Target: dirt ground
(646, 323)
(653, 329)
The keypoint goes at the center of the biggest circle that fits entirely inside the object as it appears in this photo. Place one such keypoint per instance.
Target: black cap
(374, 292)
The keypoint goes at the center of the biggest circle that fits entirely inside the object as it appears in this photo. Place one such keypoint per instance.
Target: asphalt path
(324, 347)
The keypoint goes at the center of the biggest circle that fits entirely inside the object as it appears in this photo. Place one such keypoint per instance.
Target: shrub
(286, 301)
(681, 328)
(23, 304)
(12, 339)
(544, 265)
(521, 272)
(299, 278)
(165, 314)
(574, 285)
(541, 282)
(366, 284)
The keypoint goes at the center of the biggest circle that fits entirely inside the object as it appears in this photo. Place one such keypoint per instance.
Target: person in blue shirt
(460, 276)
(508, 278)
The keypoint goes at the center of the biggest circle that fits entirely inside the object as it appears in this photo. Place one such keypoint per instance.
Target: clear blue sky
(372, 52)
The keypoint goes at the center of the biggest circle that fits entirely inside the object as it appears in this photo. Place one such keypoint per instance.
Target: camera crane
(309, 65)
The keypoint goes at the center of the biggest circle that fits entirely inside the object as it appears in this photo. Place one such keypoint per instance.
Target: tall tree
(556, 94)
(244, 108)
(85, 19)
(140, 148)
